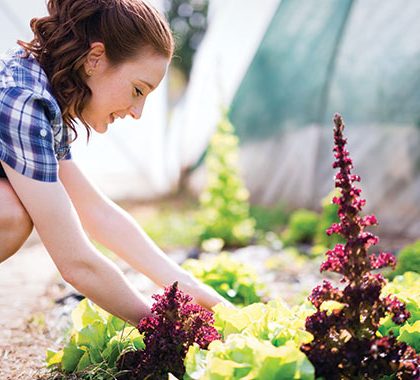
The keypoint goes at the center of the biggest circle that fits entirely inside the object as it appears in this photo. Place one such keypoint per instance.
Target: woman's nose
(135, 112)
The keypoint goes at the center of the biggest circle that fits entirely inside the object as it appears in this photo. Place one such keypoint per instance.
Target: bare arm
(78, 261)
(110, 225)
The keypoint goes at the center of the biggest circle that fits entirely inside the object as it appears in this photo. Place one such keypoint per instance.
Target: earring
(90, 72)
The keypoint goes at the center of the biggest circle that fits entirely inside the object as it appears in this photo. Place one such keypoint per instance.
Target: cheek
(116, 98)
(110, 93)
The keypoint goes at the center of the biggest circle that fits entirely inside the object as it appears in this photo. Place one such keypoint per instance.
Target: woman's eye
(138, 92)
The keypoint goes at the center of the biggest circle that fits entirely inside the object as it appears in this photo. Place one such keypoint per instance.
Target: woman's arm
(111, 226)
(78, 261)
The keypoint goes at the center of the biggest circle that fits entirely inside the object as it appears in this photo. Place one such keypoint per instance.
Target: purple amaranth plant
(175, 326)
(345, 344)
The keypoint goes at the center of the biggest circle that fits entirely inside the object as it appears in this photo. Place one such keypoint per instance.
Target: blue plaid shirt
(32, 134)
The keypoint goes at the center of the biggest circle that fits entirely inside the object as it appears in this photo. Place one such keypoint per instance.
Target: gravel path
(24, 281)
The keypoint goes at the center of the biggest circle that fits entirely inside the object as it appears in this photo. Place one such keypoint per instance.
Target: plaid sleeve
(26, 138)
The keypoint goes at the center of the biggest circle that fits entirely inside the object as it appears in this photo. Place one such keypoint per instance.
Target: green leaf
(410, 334)
(71, 357)
(54, 357)
(138, 343)
(114, 324)
(195, 362)
(86, 313)
(305, 370)
(95, 355)
(84, 362)
(113, 351)
(221, 368)
(92, 336)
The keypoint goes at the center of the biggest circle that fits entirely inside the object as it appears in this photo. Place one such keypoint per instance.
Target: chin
(100, 128)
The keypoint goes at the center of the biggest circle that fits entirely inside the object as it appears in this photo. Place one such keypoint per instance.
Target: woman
(94, 60)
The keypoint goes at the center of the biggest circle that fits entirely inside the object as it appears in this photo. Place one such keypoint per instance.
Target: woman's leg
(15, 223)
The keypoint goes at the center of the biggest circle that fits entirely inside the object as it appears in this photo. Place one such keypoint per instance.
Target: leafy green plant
(261, 341)
(308, 227)
(406, 288)
(97, 340)
(301, 228)
(234, 280)
(269, 218)
(224, 203)
(408, 260)
(172, 228)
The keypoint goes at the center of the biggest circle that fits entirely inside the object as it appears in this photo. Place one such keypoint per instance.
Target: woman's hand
(208, 298)
(202, 294)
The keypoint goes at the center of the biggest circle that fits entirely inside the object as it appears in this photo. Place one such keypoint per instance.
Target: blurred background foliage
(188, 20)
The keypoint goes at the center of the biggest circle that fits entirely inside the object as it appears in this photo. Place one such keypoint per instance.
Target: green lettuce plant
(235, 281)
(97, 339)
(224, 203)
(269, 218)
(308, 227)
(260, 341)
(301, 228)
(408, 260)
(406, 288)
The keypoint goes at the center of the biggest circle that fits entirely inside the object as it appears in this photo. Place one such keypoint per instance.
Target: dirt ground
(25, 340)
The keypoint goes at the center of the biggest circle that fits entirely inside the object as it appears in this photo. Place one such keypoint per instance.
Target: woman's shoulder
(21, 73)
(17, 69)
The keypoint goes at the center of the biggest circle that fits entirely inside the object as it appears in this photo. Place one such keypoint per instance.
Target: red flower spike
(383, 260)
(370, 220)
(334, 229)
(345, 344)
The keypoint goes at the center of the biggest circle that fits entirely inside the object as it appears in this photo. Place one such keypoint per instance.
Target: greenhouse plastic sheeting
(359, 58)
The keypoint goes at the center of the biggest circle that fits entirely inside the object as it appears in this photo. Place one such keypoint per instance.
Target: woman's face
(120, 90)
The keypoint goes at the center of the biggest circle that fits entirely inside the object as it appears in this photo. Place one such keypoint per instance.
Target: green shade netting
(359, 58)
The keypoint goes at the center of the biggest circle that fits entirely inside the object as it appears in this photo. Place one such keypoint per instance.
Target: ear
(94, 58)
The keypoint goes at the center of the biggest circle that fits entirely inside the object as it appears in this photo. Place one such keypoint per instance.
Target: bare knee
(15, 223)
(16, 220)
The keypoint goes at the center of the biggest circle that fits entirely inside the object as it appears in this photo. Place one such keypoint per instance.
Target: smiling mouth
(114, 116)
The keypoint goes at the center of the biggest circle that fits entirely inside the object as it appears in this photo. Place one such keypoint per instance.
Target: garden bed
(285, 273)
(24, 355)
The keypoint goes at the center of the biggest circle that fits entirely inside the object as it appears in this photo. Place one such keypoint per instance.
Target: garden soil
(24, 285)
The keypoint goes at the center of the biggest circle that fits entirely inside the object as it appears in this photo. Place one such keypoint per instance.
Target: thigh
(12, 211)
(8, 197)
(15, 223)
(11, 208)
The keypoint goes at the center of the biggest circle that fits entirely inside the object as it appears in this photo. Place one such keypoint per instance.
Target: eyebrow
(151, 87)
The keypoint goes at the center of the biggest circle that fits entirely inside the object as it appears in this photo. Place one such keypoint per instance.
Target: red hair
(62, 41)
